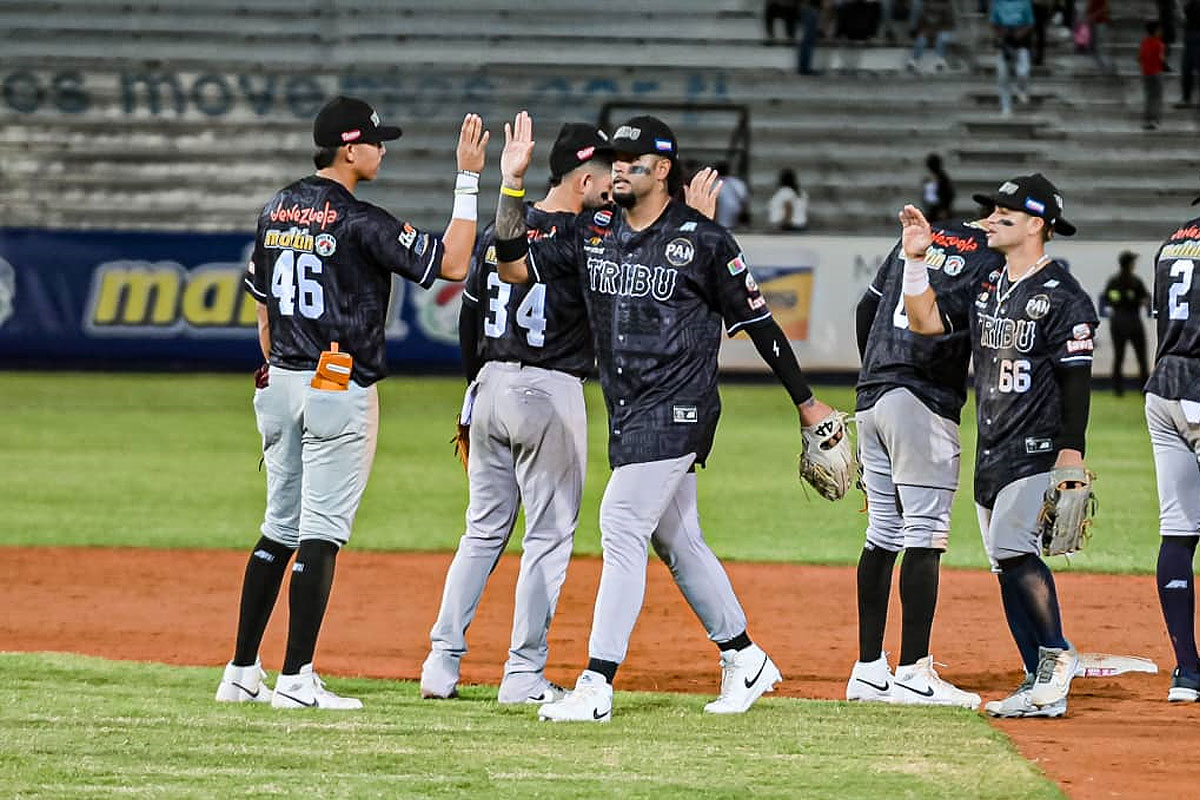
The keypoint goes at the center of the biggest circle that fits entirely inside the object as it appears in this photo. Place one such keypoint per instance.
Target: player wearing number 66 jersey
(911, 390)
(1173, 417)
(322, 274)
(1032, 329)
(526, 350)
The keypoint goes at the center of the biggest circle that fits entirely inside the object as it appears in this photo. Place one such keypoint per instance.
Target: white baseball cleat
(870, 681)
(745, 676)
(1056, 669)
(244, 684)
(549, 693)
(589, 701)
(439, 677)
(305, 689)
(1019, 704)
(919, 685)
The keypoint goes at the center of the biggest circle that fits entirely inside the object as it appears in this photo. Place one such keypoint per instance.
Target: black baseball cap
(577, 144)
(1032, 194)
(646, 134)
(348, 120)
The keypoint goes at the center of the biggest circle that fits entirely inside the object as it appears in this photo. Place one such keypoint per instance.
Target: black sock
(1034, 584)
(312, 578)
(1177, 595)
(1019, 623)
(739, 642)
(918, 600)
(260, 588)
(874, 587)
(606, 668)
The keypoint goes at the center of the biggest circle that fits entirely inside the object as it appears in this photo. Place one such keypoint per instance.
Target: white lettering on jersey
(1001, 333)
(631, 280)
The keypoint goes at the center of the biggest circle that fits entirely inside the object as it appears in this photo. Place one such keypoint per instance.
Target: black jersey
(1021, 335)
(1176, 373)
(656, 299)
(323, 263)
(538, 324)
(933, 368)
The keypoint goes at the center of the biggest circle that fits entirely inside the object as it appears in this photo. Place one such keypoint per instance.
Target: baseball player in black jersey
(526, 350)
(1032, 334)
(911, 391)
(1173, 417)
(658, 279)
(322, 274)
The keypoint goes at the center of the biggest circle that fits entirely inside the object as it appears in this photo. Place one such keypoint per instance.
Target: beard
(625, 200)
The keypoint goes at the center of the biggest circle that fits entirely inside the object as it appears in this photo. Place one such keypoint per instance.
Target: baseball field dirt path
(179, 607)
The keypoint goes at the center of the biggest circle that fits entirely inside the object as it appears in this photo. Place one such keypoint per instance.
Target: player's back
(933, 368)
(322, 264)
(1177, 311)
(537, 324)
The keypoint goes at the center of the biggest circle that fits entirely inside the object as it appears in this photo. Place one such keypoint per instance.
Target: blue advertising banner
(161, 300)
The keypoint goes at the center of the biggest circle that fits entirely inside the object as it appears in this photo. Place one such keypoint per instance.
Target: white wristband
(466, 182)
(466, 207)
(916, 276)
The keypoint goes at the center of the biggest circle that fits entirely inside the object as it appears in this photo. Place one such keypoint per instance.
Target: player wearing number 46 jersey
(322, 274)
(1032, 330)
(526, 350)
(1173, 417)
(910, 395)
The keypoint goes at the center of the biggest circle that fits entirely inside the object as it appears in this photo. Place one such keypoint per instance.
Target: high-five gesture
(518, 149)
(701, 193)
(917, 236)
(472, 143)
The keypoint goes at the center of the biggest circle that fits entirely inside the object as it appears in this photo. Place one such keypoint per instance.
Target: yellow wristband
(512, 192)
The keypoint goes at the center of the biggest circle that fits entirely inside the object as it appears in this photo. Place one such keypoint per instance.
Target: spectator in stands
(1122, 302)
(1168, 11)
(810, 23)
(785, 10)
(935, 21)
(733, 201)
(937, 190)
(858, 20)
(787, 210)
(1099, 18)
(1013, 23)
(1042, 11)
(1189, 66)
(1153, 56)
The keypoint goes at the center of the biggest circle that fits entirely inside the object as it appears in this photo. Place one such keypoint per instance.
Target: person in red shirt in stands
(1153, 55)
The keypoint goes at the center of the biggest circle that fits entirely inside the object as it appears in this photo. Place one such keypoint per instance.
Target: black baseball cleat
(1185, 687)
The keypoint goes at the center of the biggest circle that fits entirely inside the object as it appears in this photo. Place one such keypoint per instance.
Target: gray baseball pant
(655, 502)
(528, 446)
(318, 446)
(1010, 527)
(910, 459)
(1176, 443)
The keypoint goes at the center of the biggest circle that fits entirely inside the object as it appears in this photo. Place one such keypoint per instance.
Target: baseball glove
(1067, 511)
(462, 443)
(827, 463)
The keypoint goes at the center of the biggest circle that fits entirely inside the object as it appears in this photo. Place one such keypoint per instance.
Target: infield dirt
(1120, 738)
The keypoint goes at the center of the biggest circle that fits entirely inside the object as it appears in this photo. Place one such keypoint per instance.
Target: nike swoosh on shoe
(597, 715)
(927, 693)
(313, 704)
(751, 681)
(244, 689)
(874, 686)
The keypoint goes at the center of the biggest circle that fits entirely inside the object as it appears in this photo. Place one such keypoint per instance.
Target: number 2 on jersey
(531, 314)
(291, 274)
(1178, 308)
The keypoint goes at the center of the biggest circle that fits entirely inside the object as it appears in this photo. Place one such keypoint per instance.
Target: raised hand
(701, 193)
(518, 148)
(917, 235)
(472, 144)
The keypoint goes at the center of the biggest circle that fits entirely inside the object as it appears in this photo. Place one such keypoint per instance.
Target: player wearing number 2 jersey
(322, 273)
(1173, 417)
(1032, 330)
(525, 349)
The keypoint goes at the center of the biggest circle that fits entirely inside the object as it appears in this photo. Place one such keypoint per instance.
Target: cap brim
(384, 133)
(1197, 200)
(1064, 228)
(1061, 226)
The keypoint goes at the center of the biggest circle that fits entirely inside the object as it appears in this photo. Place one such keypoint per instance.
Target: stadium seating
(176, 115)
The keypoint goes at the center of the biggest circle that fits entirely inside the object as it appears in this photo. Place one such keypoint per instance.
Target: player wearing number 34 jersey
(322, 274)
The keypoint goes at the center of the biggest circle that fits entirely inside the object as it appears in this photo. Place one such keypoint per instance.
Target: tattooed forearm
(510, 217)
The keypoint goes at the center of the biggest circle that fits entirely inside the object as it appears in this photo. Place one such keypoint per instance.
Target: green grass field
(82, 727)
(172, 461)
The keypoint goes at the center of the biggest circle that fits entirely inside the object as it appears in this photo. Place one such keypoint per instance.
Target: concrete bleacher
(237, 81)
